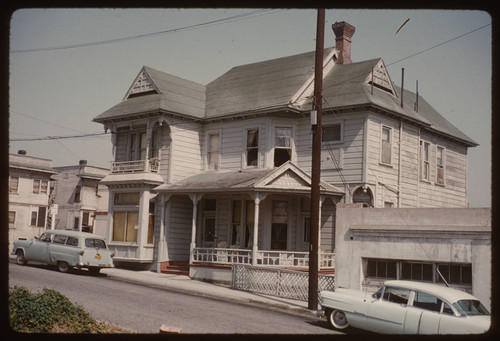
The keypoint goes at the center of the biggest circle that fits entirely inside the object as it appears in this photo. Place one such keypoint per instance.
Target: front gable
(379, 77)
(306, 90)
(142, 85)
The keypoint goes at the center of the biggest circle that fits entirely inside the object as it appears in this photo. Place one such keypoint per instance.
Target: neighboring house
(374, 245)
(29, 189)
(80, 197)
(220, 173)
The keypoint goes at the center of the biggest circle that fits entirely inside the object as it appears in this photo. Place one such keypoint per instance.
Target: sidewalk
(184, 284)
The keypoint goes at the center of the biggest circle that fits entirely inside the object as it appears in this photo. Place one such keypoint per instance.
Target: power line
(410, 56)
(174, 30)
(47, 122)
(444, 42)
(58, 137)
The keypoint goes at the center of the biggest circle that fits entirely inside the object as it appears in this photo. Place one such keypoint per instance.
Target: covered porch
(256, 217)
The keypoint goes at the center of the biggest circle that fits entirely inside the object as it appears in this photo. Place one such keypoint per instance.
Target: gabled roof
(281, 84)
(169, 94)
(287, 178)
(267, 84)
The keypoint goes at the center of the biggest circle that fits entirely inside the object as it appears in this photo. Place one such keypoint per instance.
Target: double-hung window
(386, 146)
(252, 151)
(12, 219)
(13, 184)
(282, 146)
(440, 151)
(213, 151)
(242, 221)
(137, 146)
(425, 169)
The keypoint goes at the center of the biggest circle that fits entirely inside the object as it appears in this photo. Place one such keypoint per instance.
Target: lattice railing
(277, 282)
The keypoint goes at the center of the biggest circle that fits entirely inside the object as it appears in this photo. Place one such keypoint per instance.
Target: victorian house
(214, 175)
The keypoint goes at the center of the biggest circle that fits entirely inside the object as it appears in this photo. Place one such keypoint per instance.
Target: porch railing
(222, 256)
(288, 259)
(150, 165)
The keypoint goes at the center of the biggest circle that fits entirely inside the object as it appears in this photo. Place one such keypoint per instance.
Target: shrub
(50, 312)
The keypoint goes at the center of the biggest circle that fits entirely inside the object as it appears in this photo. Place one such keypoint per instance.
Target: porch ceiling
(287, 178)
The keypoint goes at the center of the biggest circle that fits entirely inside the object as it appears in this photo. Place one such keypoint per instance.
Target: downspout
(365, 153)
(419, 170)
(399, 162)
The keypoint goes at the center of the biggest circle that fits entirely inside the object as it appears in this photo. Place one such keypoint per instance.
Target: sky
(69, 65)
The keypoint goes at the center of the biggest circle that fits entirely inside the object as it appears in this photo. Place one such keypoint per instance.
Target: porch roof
(287, 178)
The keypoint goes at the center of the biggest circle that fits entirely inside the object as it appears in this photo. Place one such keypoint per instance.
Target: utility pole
(316, 163)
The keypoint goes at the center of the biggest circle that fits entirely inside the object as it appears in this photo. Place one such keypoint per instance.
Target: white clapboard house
(208, 176)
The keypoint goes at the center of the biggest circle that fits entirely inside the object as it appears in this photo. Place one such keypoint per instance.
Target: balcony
(137, 166)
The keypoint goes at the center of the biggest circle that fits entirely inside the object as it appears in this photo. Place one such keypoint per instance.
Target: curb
(228, 298)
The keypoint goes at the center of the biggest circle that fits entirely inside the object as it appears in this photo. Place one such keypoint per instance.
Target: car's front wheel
(338, 319)
(20, 258)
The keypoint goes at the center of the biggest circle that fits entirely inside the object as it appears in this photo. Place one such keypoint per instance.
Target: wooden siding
(327, 239)
(178, 228)
(350, 149)
(414, 192)
(186, 157)
(164, 151)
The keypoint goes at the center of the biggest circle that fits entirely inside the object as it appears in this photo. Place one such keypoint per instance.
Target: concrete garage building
(378, 244)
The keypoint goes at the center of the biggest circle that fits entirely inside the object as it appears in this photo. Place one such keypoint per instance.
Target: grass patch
(51, 312)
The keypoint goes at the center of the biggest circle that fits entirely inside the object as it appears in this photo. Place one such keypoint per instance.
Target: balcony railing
(288, 259)
(137, 166)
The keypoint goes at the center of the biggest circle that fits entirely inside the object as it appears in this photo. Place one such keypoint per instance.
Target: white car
(406, 307)
(65, 249)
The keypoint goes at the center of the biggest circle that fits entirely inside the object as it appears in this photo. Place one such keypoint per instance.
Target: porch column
(194, 198)
(142, 234)
(161, 242)
(255, 230)
(257, 198)
(149, 131)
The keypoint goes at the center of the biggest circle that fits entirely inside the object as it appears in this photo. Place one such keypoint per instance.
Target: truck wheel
(338, 319)
(20, 259)
(63, 267)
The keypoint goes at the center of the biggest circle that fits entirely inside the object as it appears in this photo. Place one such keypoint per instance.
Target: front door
(278, 236)
(279, 225)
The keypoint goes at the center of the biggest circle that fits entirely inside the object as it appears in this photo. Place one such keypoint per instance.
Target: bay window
(125, 216)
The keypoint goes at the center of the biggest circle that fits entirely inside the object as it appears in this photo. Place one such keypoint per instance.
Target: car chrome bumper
(320, 313)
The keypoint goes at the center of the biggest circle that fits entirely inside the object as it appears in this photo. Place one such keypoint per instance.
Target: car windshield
(98, 243)
(470, 308)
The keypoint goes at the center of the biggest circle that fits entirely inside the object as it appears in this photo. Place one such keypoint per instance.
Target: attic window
(143, 85)
(379, 78)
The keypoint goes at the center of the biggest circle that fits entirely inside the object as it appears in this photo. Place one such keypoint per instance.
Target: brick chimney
(343, 34)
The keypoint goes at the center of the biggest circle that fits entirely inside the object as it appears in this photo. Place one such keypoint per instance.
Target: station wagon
(66, 250)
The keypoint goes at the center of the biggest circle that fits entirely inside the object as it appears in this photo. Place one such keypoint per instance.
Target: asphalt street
(145, 309)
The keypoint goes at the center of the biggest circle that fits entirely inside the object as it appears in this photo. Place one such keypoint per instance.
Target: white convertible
(406, 307)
